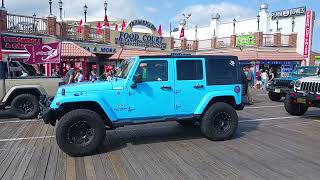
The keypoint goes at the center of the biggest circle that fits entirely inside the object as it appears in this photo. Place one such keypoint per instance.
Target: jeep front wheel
(274, 96)
(294, 109)
(219, 122)
(25, 106)
(80, 132)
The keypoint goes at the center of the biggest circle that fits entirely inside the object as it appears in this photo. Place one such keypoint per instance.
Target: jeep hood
(310, 79)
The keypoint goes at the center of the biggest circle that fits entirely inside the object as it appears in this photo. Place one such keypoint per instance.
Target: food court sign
(300, 11)
(13, 42)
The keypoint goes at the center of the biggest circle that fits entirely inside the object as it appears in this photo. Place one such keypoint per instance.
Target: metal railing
(177, 44)
(285, 40)
(223, 42)
(204, 44)
(268, 40)
(73, 33)
(26, 24)
(96, 35)
(189, 45)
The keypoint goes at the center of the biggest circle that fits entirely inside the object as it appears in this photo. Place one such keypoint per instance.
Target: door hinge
(178, 106)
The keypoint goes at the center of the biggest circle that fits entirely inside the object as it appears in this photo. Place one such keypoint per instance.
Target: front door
(190, 85)
(154, 97)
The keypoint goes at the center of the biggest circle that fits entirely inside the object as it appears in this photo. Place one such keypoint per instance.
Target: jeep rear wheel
(219, 122)
(80, 132)
(274, 96)
(25, 106)
(293, 108)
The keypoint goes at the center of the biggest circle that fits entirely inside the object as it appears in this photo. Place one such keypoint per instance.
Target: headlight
(298, 83)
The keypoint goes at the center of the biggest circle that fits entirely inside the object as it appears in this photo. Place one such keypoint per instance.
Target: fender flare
(14, 89)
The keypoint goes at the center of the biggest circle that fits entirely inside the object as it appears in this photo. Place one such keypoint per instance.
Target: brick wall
(277, 39)
(293, 40)
(258, 38)
(3, 20)
(52, 25)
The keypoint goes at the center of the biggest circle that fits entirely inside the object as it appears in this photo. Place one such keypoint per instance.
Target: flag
(106, 22)
(44, 53)
(79, 28)
(123, 25)
(116, 27)
(160, 30)
(182, 32)
(99, 30)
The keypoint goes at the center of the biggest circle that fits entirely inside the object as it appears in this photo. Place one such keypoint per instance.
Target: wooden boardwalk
(269, 144)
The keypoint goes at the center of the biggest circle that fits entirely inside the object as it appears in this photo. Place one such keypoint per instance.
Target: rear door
(189, 85)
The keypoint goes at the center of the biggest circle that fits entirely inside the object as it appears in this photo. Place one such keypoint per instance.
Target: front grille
(282, 83)
(310, 86)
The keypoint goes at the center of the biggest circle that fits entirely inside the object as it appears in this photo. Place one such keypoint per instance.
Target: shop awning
(70, 49)
(260, 55)
(127, 53)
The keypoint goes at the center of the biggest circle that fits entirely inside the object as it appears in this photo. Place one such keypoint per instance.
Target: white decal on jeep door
(232, 63)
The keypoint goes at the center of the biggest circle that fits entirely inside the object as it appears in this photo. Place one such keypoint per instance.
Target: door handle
(198, 86)
(166, 88)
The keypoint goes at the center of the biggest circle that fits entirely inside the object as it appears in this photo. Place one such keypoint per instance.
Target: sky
(164, 12)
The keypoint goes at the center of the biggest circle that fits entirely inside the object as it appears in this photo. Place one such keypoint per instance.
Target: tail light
(237, 89)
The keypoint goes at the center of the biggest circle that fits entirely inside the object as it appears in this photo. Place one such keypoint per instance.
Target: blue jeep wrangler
(149, 89)
(280, 87)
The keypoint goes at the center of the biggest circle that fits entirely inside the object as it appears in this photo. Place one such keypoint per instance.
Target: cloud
(201, 13)
(150, 9)
(117, 9)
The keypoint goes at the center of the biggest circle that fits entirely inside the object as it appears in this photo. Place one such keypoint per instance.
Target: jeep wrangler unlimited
(280, 87)
(306, 94)
(149, 89)
(20, 88)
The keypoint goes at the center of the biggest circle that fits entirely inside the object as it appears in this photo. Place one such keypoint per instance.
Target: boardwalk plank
(89, 169)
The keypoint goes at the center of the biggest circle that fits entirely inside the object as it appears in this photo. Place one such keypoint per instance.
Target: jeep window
(222, 72)
(189, 70)
(21, 70)
(3, 70)
(153, 70)
(305, 71)
(124, 68)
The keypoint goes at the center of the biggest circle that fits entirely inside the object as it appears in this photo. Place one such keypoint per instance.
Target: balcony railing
(204, 44)
(189, 45)
(285, 40)
(223, 42)
(95, 35)
(268, 40)
(26, 24)
(177, 44)
(73, 33)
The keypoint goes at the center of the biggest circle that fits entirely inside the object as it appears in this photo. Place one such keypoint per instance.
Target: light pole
(234, 25)
(34, 21)
(258, 20)
(186, 17)
(2, 3)
(60, 8)
(293, 23)
(277, 24)
(50, 6)
(105, 8)
(85, 10)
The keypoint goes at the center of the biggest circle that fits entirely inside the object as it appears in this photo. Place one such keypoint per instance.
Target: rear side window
(189, 70)
(2, 70)
(222, 72)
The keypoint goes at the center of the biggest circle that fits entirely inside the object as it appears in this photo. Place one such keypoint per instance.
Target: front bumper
(279, 90)
(310, 99)
(47, 114)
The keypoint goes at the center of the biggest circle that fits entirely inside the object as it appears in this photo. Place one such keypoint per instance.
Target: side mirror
(137, 78)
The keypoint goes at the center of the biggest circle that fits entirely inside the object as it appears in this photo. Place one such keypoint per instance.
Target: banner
(13, 42)
(245, 40)
(44, 53)
(307, 35)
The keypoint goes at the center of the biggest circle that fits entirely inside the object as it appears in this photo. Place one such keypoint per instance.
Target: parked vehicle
(149, 89)
(280, 87)
(306, 94)
(21, 88)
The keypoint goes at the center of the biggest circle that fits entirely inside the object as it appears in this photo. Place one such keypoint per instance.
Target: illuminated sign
(300, 11)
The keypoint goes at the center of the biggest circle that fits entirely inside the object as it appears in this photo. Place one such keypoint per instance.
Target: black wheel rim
(80, 133)
(25, 106)
(222, 123)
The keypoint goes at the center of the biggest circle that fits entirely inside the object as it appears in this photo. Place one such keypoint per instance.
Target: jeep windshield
(305, 71)
(124, 68)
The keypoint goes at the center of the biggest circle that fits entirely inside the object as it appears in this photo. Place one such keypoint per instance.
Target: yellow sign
(317, 58)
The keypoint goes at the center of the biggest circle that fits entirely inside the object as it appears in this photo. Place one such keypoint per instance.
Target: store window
(189, 70)
(153, 70)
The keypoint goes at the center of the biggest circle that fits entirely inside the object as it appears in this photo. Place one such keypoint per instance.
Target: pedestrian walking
(79, 76)
(264, 80)
(93, 76)
(69, 79)
(271, 76)
(250, 80)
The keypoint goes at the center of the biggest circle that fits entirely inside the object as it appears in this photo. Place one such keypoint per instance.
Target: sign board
(142, 23)
(317, 58)
(98, 48)
(44, 53)
(245, 40)
(307, 35)
(13, 42)
(286, 70)
(300, 11)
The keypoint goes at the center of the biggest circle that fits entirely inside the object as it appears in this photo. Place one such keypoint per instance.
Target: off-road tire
(186, 123)
(69, 120)
(210, 119)
(19, 106)
(294, 109)
(274, 96)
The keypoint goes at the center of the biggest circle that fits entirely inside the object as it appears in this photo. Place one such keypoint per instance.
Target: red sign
(44, 53)
(13, 42)
(307, 35)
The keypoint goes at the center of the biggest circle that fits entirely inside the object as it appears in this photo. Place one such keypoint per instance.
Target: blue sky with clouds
(165, 11)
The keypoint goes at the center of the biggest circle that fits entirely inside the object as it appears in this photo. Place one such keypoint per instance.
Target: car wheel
(186, 122)
(219, 122)
(80, 132)
(294, 109)
(274, 96)
(25, 106)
